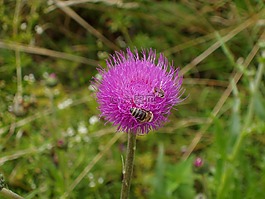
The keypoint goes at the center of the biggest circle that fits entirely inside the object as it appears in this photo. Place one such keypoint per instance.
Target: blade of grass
(245, 130)
(91, 165)
(10, 194)
(46, 52)
(71, 13)
(253, 20)
(39, 115)
(112, 3)
(222, 100)
(21, 153)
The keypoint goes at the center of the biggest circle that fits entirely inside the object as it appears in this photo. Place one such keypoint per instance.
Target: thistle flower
(137, 91)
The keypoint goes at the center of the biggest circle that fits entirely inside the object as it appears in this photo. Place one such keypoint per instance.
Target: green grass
(49, 145)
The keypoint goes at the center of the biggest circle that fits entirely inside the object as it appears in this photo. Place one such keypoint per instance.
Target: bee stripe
(142, 115)
(133, 110)
(139, 113)
(151, 117)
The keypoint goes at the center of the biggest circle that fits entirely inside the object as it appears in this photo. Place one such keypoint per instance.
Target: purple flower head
(52, 75)
(198, 162)
(137, 92)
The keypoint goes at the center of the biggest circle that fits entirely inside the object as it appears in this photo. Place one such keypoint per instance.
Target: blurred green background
(53, 145)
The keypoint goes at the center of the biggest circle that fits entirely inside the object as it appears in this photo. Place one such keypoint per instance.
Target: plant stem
(10, 194)
(17, 53)
(247, 122)
(128, 170)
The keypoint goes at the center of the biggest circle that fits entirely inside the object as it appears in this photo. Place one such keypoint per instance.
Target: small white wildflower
(121, 42)
(100, 180)
(38, 29)
(102, 55)
(93, 120)
(26, 78)
(91, 88)
(45, 75)
(82, 128)
(90, 176)
(70, 132)
(98, 76)
(31, 77)
(23, 26)
(200, 196)
(92, 184)
(65, 104)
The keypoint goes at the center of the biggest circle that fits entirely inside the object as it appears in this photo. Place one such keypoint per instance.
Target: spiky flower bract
(137, 80)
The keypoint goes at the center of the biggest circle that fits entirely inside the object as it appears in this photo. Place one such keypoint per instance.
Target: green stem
(127, 36)
(128, 170)
(19, 74)
(250, 112)
(10, 194)
(17, 52)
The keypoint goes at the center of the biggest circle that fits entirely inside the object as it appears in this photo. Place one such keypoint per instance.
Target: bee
(142, 115)
(159, 92)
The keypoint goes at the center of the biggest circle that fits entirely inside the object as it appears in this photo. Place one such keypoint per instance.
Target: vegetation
(52, 143)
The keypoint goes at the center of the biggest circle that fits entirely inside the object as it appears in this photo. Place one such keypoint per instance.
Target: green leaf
(259, 106)
(159, 180)
(180, 177)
